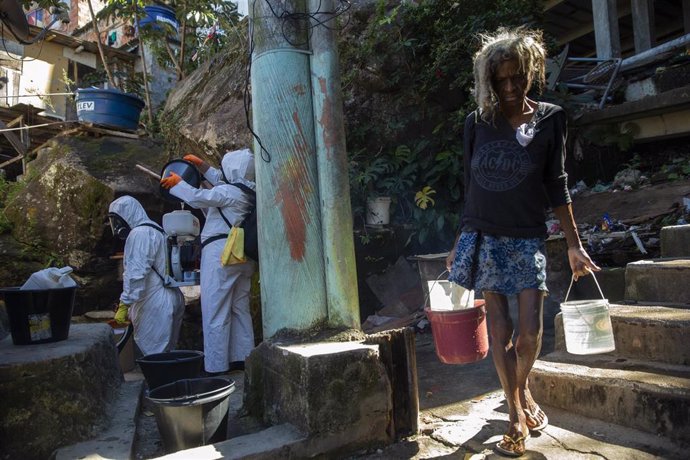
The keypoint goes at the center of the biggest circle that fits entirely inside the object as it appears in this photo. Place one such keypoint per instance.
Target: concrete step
(652, 397)
(651, 333)
(658, 280)
(675, 241)
(116, 440)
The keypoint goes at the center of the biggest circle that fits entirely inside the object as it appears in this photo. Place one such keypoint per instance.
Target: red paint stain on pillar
(293, 217)
(293, 189)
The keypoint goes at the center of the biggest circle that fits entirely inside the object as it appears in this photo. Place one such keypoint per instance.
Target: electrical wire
(286, 17)
(246, 99)
(4, 130)
(22, 59)
(42, 95)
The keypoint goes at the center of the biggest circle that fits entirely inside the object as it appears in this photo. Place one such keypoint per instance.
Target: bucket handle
(590, 324)
(572, 279)
(428, 292)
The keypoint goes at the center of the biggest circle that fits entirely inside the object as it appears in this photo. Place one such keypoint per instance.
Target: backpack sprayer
(183, 248)
(181, 229)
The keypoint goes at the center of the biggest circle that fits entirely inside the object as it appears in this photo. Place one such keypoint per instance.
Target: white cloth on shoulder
(525, 133)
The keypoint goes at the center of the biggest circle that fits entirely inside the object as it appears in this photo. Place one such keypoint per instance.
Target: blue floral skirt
(501, 264)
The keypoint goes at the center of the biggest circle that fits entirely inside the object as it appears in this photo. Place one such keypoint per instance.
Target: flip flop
(512, 447)
(533, 422)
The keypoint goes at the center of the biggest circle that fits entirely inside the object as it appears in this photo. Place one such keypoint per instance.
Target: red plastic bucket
(460, 336)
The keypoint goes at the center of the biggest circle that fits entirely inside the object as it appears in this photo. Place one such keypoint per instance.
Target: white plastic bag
(50, 278)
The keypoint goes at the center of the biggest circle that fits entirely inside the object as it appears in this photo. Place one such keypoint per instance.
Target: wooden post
(606, 32)
(16, 141)
(399, 356)
(643, 25)
(26, 142)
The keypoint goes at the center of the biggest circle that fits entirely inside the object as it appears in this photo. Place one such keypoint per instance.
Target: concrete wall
(42, 73)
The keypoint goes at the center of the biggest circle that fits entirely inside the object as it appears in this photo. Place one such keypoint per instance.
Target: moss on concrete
(319, 332)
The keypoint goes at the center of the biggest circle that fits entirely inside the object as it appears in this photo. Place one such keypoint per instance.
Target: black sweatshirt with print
(508, 187)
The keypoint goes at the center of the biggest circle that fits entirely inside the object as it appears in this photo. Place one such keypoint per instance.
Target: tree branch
(111, 80)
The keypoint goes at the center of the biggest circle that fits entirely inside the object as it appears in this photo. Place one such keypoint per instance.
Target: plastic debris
(638, 242)
(553, 227)
(580, 187)
(50, 278)
(601, 188)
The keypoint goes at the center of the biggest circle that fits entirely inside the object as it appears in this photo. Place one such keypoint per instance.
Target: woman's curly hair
(524, 45)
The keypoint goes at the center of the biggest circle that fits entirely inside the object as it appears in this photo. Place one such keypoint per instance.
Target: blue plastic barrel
(109, 107)
(159, 14)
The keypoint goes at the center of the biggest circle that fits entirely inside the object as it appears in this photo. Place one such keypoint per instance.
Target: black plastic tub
(186, 170)
(164, 368)
(39, 315)
(192, 412)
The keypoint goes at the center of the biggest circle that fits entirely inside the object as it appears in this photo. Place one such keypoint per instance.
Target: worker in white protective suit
(155, 310)
(225, 310)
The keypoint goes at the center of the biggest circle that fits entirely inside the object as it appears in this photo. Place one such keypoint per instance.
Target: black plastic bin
(39, 315)
(163, 368)
(192, 412)
(186, 170)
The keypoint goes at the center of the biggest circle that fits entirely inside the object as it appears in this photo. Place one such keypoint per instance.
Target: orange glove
(195, 160)
(170, 181)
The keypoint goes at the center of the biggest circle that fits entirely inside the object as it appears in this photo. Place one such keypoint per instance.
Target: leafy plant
(678, 168)
(206, 26)
(407, 79)
(8, 190)
(423, 197)
(622, 137)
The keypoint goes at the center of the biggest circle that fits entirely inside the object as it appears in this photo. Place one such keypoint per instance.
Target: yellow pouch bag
(233, 252)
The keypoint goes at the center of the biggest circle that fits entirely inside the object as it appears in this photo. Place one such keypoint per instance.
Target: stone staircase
(645, 383)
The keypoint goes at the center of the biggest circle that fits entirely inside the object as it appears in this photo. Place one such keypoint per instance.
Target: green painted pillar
(334, 186)
(293, 286)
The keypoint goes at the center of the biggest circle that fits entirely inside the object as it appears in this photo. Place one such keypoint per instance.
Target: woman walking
(514, 151)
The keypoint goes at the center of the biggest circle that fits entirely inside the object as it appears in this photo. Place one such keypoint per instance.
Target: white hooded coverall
(155, 310)
(225, 310)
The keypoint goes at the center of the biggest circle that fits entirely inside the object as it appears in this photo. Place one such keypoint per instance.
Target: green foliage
(408, 70)
(40, 3)
(8, 190)
(622, 137)
(677, 169)
(198, 17)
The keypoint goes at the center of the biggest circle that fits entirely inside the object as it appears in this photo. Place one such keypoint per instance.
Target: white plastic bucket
(378, 211)
(448, 296)
(587, 325)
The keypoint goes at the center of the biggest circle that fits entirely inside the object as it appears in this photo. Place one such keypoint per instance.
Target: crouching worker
(154, 309)
(225, 310)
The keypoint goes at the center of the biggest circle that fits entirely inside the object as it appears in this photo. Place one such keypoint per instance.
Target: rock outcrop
(58, 212)
(205, 112)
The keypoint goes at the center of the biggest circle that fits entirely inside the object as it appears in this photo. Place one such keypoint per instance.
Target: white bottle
(50, 278)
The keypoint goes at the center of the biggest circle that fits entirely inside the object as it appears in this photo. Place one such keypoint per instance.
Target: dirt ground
(631, 207)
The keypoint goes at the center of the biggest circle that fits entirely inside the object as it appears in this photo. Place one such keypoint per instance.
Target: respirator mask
(118, 225)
